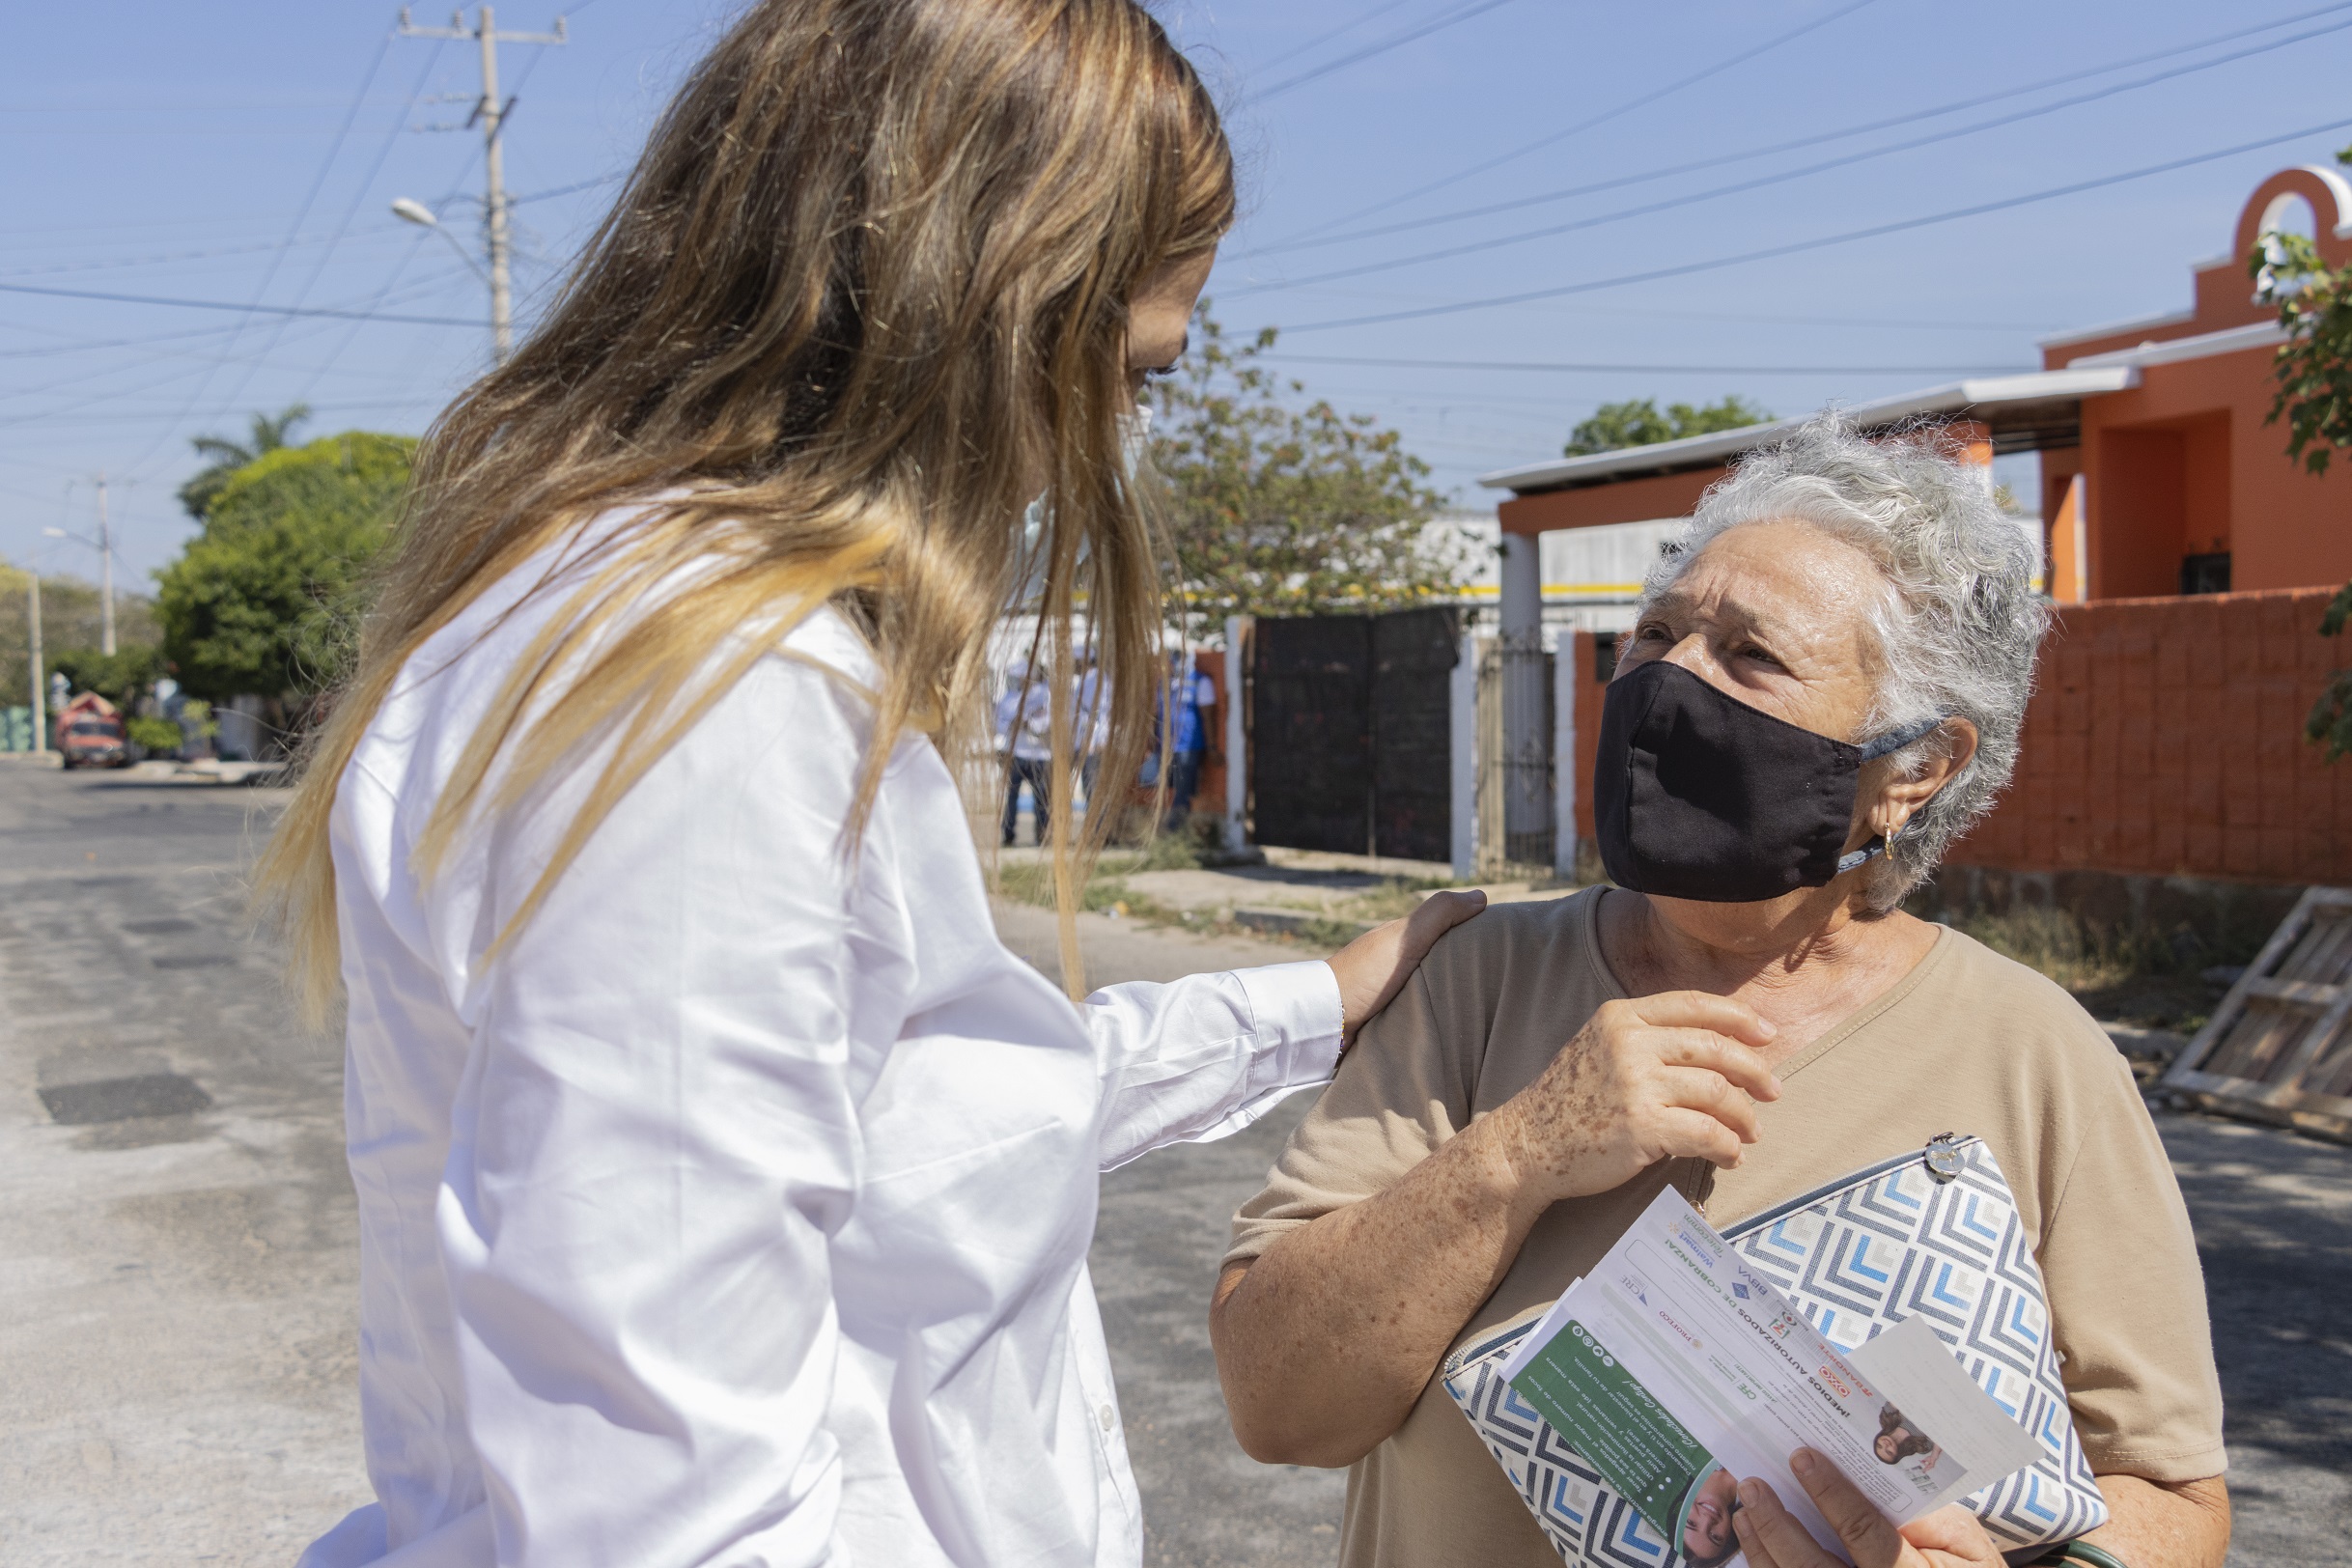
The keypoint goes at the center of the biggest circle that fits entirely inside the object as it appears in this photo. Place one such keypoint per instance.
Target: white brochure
(1676, 1371)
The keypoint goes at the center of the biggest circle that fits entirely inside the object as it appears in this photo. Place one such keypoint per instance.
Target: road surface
(175, 1309)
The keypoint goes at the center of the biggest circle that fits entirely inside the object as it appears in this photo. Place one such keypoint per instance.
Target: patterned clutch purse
(1933, 1235)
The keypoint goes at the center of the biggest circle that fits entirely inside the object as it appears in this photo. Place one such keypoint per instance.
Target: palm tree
(270, 434)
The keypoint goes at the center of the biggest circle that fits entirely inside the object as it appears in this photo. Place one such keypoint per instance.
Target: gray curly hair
(1957, 628)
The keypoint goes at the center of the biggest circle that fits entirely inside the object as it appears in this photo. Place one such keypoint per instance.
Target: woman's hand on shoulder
(1375, 967)
(1950, 1537)
(1653, 1078)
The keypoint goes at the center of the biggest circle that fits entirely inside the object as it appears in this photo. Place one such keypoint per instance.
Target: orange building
(2184, 487)
(2171, 517)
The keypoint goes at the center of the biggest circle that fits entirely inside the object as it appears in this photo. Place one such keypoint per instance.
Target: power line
(1396, 42)
(143, 368)
(1720, 159)
(1581, 368)
(1325, 36)
(1742, 187)
(318, 183)
(96, 344)
(372, 405)
(1686, 268)
(257, 310)
(342, 225)
(491, 112)
(391, 281)
(605, 179)
(15, 235)
(400, 264)
(153, 379)
(181, 256)
(1638, 101)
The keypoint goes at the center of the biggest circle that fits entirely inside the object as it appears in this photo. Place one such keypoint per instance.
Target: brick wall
(1209, 797)
(2165, 738)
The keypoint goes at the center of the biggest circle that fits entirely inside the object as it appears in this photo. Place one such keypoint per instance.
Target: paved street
(177, 1309)
(176, 1317)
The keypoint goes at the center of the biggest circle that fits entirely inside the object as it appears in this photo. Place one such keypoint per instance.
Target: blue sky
(249, 154)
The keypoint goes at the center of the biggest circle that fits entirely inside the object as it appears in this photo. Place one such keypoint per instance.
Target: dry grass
(1107, 892)
(2126, 973)
(2077, 955)
(1392, 898)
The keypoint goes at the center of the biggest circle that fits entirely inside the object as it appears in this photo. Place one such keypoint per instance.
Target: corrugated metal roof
(1993, 398)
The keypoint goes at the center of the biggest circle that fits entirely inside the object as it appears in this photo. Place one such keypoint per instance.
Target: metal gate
(1516, 828)
(1348, 732)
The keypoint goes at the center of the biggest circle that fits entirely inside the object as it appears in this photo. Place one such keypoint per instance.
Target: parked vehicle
(89, 734)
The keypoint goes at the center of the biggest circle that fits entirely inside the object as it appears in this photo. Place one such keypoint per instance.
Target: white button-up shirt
(737, 1212)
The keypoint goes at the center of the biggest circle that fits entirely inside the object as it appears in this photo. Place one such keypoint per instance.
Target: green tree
(265, 600)
(2313, 370)
(122, 677)
(70, 621)
(1279, 509)
(270, 434)
(156, 734)
(1638, 422)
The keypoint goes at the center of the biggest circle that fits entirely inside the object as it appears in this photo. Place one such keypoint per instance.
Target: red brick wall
(2165, 738)
(1209, 797)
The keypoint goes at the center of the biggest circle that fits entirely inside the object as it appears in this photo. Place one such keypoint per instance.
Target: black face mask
(1699, 795)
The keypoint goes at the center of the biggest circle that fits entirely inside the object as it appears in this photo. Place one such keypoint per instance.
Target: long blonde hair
(863, 298)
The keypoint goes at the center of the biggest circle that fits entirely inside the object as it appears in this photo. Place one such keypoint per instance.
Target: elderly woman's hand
(1772, 1538)
(1374, 967)
(1651, 1079)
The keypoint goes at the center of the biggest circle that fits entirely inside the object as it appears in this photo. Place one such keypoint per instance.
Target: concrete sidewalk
(1301, 893)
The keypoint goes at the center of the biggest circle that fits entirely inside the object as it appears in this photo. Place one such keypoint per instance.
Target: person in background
(1188, 692)
(1092, 710)
(1025, 736)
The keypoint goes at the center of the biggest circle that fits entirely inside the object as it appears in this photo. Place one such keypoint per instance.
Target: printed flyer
(1678, 1371)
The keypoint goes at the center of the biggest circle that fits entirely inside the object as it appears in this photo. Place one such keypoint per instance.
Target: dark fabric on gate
(1699, 795)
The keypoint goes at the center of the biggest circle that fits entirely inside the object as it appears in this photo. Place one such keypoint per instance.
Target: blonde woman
(724, 1183)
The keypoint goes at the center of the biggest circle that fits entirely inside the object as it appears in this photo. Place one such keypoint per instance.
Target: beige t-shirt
(1968, 1042)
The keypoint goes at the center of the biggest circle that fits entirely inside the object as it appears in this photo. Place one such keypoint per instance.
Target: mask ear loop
(1893, 741)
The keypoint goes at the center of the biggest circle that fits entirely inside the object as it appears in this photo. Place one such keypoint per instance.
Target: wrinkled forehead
(1784, 579)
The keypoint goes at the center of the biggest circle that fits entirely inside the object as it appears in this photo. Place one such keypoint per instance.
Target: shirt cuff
(1295, 1013)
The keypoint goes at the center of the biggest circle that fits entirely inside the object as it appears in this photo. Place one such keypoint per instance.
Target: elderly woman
(1824, 690)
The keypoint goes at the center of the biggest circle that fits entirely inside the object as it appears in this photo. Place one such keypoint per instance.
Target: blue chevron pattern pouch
(1932, 1234)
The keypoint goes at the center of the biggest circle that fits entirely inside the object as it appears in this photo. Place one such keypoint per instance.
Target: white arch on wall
(2337, 186)
(2276, 216)
(2279, 214)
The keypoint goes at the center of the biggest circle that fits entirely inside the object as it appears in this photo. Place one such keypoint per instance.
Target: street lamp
(104, 546)
(411, 210)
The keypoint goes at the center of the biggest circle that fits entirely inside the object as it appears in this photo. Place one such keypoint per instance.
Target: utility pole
(40, 673)
(492, 113)
(105, 542)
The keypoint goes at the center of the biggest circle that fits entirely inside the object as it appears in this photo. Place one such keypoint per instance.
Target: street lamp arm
(464, 255)
(411, 210)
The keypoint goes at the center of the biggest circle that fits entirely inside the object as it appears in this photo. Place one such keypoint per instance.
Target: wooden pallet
(2277, 1049)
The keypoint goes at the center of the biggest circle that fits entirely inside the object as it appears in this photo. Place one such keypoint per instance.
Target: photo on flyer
(1675, 1371)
